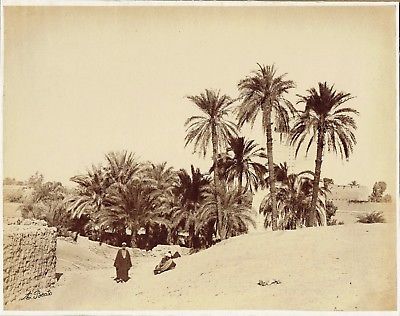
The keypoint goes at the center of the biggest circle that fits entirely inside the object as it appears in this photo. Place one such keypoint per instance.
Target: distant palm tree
(90, 194)
(239, 164)
(212, 127)
(263, 92)
(236, 208)
(293, 201)
(45, 191)
(190, 191)
(327, 124)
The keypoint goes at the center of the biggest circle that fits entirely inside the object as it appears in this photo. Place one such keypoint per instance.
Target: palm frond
(216, 108)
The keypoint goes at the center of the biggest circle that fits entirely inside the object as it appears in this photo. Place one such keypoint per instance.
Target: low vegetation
(378, 195)
(369, 218)
(14, 196)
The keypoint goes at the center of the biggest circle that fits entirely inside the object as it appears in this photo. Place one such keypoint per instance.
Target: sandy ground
(11, 209)
(349, 267)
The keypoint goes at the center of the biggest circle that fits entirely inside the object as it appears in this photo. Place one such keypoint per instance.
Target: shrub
(334, 222)
(386, 198)
(12, 181)
(373, 217)
(330, 210)
(14, 196)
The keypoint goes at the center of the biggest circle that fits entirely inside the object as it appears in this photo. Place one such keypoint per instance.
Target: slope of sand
(348, 267)
(83, 255)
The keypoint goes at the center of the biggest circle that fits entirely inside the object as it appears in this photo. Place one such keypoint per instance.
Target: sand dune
(348, 267)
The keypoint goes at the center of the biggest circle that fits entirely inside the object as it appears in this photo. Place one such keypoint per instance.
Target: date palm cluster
(128, 195)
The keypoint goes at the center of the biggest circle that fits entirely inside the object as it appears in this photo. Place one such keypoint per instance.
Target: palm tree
(327, 124)
(163, 178)
(236, 210)
(190, 191)
(212, 127)
(93, 192)
(264, 92)
(90, 194)
(294, 195)
(121, 167)
(132, 206)
(281, 173)
(239, 164)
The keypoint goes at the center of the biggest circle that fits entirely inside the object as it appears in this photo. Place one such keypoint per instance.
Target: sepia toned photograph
(200, 156)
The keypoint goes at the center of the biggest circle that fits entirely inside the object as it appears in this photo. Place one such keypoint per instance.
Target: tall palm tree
(328, 124)
(211, 127)
(239, 164)
(294, 195)
(264, 92)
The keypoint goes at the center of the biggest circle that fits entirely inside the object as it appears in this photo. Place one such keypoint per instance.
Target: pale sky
(79, 82)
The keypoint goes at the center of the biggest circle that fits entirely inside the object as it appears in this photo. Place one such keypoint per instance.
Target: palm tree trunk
(317, 175)
(191, 236)
(216, 170)
(240, 185)
(271, 169)
(134, 243)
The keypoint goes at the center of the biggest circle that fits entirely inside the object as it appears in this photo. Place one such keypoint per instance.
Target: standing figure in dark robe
(122, 264)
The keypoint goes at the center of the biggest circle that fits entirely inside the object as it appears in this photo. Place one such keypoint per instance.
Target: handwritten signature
(36, 294)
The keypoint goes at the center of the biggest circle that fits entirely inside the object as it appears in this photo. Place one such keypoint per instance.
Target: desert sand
(348, 267)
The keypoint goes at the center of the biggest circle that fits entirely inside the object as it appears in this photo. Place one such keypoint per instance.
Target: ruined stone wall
(29, 258)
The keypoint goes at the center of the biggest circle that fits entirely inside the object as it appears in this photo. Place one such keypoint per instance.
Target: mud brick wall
(29, 258)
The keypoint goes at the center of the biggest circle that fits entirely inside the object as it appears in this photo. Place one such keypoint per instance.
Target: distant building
(347, 193)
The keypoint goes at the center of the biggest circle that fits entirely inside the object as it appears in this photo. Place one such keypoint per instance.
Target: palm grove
(124, 196)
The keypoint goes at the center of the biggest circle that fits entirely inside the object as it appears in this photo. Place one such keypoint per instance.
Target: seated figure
(165, 264)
